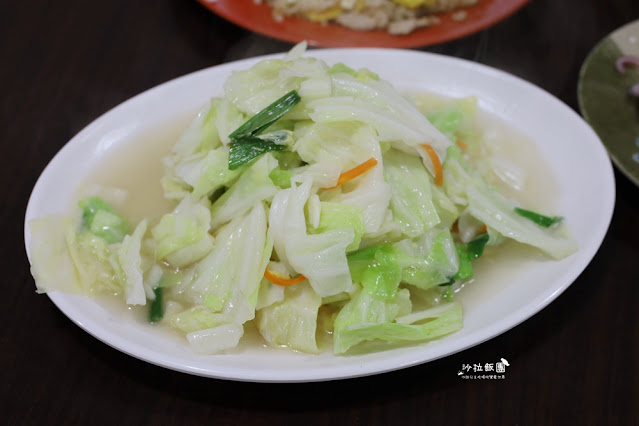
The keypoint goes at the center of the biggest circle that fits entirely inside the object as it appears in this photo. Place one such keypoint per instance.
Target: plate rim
(614, 156)
(515, 318)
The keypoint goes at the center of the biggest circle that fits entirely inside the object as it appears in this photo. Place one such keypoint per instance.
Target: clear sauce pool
(136, 167)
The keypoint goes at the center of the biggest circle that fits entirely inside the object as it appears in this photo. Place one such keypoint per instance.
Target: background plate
(604, 99)
(585, 190)
(258, 18)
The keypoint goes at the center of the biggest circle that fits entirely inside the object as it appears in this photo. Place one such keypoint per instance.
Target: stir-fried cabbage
(338, 220)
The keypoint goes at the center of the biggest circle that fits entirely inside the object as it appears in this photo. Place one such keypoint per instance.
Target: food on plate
(311, 202)
(395, 16)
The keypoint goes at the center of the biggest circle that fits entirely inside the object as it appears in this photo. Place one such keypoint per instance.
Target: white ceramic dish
(574, 153)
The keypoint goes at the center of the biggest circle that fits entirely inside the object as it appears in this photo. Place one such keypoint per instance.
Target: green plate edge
(605, 102)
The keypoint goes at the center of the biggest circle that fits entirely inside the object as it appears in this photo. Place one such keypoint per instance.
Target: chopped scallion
(539, 219)
(156, 311)
(260, 121)
(246, 145)
(248, 148)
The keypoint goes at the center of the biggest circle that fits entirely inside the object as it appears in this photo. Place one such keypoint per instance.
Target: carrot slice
(437, 165)
(355, 171)
(462, 145)
(276, 279)
(455, 228)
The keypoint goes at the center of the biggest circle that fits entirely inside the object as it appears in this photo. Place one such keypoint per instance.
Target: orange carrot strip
(276, 279)
(355, 171)
(462, 145)
(437, 165)
(455, 228)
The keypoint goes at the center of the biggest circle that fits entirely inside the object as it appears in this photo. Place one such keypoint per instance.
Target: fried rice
(395, 16)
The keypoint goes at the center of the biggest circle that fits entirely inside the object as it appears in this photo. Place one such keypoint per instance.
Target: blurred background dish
(605, 99)
(259, 18)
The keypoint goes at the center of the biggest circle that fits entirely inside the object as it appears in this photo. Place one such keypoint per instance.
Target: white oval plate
(574, 153)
